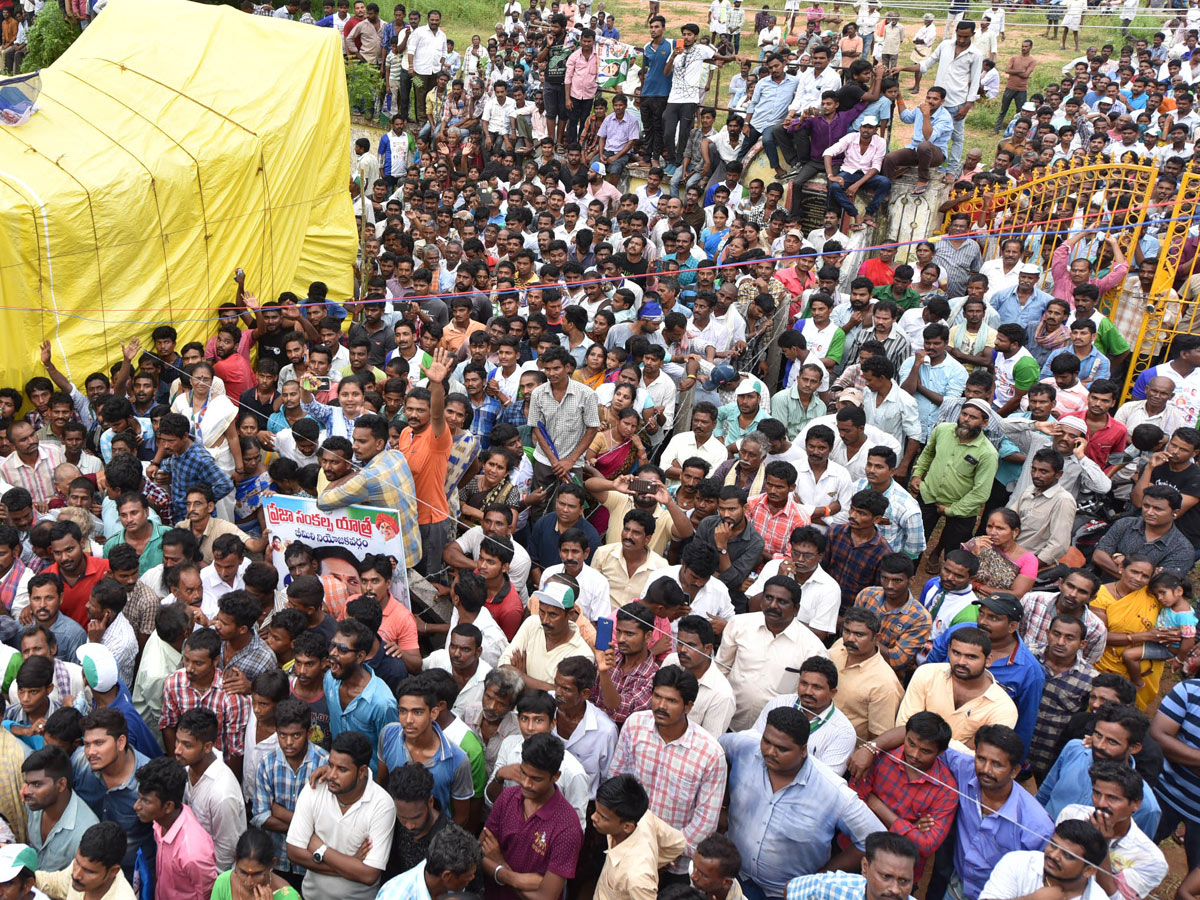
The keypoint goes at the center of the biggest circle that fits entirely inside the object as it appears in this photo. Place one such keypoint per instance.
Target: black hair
(625, 796)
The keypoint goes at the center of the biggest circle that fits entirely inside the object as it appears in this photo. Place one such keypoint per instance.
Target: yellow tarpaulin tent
(174, 143)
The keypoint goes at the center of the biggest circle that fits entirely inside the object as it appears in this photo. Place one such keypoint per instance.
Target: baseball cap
(1028, 107)
(99, 666)
(14, 858)
(1004, 603)
(720, 376)
(1029, 269)
(745, 388)
(650, 310)
(1104, 101)
(869, 120)
(796, 233)
(557, 595)
(597, 168)
(851, 395)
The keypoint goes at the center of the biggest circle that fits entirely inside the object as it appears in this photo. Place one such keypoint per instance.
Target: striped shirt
(37, 478)
(1177, 784)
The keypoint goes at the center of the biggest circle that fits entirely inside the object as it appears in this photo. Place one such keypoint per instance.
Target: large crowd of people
(769, 566)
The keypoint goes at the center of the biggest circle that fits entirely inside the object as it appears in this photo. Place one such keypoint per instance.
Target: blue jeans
(879, 187)
(953, 163)
(768, 142)
(751, 889)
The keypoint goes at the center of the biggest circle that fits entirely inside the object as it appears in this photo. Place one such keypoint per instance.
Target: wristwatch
(724, 551)
(319, 853)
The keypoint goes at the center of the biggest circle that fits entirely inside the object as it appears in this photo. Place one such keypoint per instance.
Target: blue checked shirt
(277, 782)
(194, 465)
(904, 530)
(947, 378)
(486, 415)
(829, 886)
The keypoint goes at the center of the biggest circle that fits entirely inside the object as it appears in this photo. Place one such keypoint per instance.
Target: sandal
(859, 226)
(920, 189)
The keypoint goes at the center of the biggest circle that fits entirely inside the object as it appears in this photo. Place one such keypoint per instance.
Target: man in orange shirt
(426, 444)
(459, 328)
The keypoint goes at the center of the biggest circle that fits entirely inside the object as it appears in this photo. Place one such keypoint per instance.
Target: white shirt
(495, 114)
(216, 799)
(426, 49)
(810, 86)
(594, 601)
(285, 446)
(1020, 873)
(372, 816)
(998, 280)
(896, 414)
(1135, 858)
(715, 703)
(817, 238)
(689, 73)
(831, 742)
(572, 779)
(712, 600)
(683, 447)
(518, 573)
(834, 484)
(472, 691)
(757, 662)
(959, 75)
(495, 642)
(215, 587)
(820, 596)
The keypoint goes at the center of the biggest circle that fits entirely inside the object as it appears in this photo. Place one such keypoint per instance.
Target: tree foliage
(49, 37)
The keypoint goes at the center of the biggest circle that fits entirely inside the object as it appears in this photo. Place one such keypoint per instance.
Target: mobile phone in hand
(604, 633)
(643, 486)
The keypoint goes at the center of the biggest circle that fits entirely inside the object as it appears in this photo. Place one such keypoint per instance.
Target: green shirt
(1109, 341)
(151, 554)
(473, 747)
(222, 891)
(910, 299)
(948, 477)
(786, 408)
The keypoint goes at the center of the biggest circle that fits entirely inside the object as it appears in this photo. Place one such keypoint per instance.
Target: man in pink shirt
(1070, 273)
(185, 861)
(863, 158)
(581, 82)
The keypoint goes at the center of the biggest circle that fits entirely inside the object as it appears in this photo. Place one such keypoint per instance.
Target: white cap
(14, 858)
(99, 666)
(869, 120)
(556, 595)
(744, 388)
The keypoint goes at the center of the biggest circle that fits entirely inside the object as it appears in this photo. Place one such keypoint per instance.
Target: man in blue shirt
(995, 815)
(358, 700)
(656, 87)
(785, 806)
(1011, 662)
(1024, 302)
(767, 108)
(1116, 735)
(932, 127)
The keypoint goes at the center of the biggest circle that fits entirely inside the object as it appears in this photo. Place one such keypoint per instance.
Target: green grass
(460, 18)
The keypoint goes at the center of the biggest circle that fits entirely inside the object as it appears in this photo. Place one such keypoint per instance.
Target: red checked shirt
(634, 687)
(232, 710)
(685, 778)
(1112, 438)
(775, 528)
(912, 795)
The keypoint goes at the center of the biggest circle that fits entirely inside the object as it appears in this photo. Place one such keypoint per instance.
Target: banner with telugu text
(362, 530)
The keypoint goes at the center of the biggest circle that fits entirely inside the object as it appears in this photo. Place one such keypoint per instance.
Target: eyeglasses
(341, 648)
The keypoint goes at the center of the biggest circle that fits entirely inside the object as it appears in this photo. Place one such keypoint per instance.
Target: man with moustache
(832, 738)
(887, 873)
(1135, 865)
(1068, 680)
(1065, 868)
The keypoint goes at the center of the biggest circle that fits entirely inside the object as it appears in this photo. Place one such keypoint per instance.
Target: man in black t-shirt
(1175, 466)
(270, 333)
(554, 89)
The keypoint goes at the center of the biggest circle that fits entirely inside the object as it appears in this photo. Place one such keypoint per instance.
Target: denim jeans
(958, 137)
(768, 141)
(879, 187)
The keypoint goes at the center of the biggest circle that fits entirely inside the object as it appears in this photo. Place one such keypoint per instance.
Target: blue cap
(721, 376)
(597, 168)
(650, 310)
